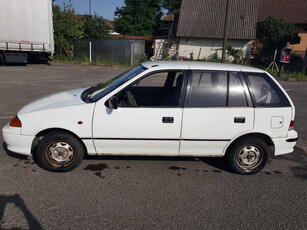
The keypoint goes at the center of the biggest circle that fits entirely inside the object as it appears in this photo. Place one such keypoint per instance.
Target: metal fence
(121, 51)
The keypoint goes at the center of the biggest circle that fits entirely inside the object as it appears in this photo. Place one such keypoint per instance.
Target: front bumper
(285, 145)
(16, 142)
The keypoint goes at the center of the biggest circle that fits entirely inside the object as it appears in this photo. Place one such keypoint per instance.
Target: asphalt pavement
(143, 192)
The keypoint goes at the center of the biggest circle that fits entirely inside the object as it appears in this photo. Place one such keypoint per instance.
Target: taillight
(15, 122)
(291, 125)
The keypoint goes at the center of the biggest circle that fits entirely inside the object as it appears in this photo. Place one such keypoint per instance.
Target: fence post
(132, 52)
(90, 47)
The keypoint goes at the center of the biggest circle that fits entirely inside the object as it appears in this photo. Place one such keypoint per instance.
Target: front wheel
(248, 156)
(59, 152)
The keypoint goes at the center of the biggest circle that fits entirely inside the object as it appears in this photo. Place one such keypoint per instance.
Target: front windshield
(103, 89)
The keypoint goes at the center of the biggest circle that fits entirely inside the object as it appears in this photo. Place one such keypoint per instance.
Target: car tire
(59, 152)
(248, 156)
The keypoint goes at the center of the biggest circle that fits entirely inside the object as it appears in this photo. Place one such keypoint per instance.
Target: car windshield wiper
(92, 89)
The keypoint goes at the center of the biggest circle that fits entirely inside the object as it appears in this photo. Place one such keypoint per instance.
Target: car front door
(217, 109)
(147, 119)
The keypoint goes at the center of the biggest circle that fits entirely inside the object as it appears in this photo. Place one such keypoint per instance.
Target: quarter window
(264, 91)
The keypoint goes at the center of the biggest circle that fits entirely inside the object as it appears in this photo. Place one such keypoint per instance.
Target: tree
(274, 33)
(171, 5)
(95, 27)
(141, 18)
(67, 29)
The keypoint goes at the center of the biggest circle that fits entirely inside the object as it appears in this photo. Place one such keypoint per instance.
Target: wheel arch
(261, 136)
(44, 132)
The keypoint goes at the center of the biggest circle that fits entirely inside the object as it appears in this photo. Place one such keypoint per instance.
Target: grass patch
(288, 74)
(85, 59)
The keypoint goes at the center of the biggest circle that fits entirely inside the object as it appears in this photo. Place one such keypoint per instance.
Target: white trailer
(26, 28)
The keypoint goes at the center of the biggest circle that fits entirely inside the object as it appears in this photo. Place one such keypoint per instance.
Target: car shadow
(299, 157)
(12, 154)
(218, 163)
(139, 158)
(20, 204)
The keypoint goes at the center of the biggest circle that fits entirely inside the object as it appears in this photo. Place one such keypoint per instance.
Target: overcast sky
(104, 8)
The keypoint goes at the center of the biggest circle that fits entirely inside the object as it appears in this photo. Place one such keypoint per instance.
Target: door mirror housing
(113, 102)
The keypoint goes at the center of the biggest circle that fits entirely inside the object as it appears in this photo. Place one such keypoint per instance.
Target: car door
(147, 120)
(216, 110)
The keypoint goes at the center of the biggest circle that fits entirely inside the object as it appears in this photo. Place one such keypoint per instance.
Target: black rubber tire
(235, 149)
(53, 137)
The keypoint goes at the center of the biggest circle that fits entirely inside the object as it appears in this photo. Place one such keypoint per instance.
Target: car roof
(198, 65)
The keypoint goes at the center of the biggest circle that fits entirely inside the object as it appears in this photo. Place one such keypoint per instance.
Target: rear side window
(216, 89)
(264, 91)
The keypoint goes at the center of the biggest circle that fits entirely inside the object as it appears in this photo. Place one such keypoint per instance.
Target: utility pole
(90, 8)
(226, 29)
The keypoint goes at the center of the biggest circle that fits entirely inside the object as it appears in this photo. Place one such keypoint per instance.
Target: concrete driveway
(143, 192)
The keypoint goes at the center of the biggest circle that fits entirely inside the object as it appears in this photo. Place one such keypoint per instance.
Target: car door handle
(239, 120)
(167, 119)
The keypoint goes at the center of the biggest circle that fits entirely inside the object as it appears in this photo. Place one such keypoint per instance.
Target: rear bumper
(16, 142)
(285, 145)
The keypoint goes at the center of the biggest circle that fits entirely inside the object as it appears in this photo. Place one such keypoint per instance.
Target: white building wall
(206, 48)
(161, 45)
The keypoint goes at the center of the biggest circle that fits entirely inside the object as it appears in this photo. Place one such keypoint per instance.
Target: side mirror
(113, 102)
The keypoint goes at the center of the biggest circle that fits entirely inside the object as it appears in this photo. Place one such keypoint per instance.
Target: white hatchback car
(161, 109)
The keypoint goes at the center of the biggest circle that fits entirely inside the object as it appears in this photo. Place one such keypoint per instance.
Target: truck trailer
(26, 29)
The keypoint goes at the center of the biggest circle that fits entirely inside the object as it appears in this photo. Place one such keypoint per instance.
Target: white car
(192, 109)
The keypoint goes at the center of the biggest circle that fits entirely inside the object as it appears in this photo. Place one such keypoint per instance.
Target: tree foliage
(142, 18)
(274, 33)
(66, 28)
(138, 17)
(95, 27)
(171, 5)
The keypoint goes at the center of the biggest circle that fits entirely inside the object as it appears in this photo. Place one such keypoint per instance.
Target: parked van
(170, 108)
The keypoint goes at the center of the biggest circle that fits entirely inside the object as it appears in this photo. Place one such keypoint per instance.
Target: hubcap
(249, 157)
(60, 152)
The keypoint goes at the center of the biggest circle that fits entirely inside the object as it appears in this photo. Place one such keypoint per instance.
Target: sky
(104, 8)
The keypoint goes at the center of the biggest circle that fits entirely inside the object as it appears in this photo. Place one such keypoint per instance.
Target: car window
(264, 91)
(159, 89)
(236, 96)
(208, 89)
(216, 89)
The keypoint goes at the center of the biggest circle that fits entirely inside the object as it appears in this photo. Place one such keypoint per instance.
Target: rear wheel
(59, 152)
(248, 156)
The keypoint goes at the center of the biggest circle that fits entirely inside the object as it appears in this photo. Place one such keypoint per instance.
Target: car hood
(61, 99)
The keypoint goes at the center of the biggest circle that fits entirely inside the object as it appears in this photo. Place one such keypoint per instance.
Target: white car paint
(136, 123)
(212, 124)
(60, 110)
(109, 131)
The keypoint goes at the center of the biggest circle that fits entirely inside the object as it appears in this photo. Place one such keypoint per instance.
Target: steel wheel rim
(249, 157)
(60, 153)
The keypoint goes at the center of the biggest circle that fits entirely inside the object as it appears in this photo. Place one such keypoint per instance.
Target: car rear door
(217, 109)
